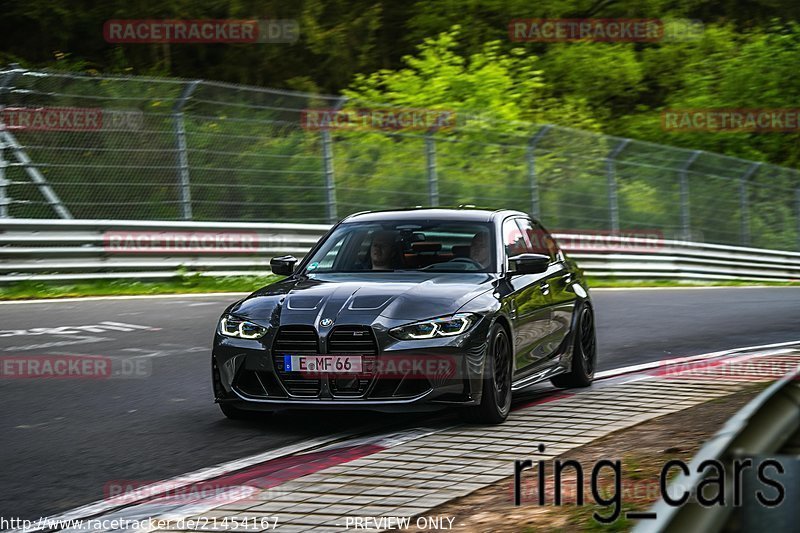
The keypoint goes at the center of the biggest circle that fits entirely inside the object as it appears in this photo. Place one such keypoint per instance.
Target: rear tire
(584, 353)
(496, 397)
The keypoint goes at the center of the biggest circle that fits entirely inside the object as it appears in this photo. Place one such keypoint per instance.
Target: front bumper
(248, 375)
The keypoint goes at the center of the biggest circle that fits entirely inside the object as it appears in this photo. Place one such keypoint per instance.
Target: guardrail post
(686, 221)
(744, 206)
(183, 158)
(433, 180)
(611, 180)
(531, 159)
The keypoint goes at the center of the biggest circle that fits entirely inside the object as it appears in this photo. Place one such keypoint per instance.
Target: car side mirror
(528, 264)
(284, 265)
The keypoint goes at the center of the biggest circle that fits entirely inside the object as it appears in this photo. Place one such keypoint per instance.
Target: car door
(527, 304)
(557, 284)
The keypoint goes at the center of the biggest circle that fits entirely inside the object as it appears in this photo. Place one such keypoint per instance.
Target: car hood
(362, 298)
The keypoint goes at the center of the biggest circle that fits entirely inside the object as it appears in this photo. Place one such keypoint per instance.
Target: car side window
(513, 239)
(541, 242)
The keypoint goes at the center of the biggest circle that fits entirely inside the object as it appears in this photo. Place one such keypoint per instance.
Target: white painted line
(128, 297)
(678, 360)
(126, 506)
(733, 360)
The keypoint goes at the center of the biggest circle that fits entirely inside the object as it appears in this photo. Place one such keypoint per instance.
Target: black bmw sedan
(415, 309)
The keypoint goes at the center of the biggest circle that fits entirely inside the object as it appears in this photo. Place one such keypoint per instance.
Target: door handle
(545, 287)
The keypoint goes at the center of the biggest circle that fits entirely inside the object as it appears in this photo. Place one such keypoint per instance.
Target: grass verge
(598, 283)
(194, 283)
(181, 284)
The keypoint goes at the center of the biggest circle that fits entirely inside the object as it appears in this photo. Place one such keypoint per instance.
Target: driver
(479, 249)
(383, 251)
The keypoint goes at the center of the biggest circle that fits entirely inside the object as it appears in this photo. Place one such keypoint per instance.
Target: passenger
(384, 250)
(479, 250)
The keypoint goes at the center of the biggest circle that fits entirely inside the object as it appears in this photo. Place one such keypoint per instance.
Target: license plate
(325, 364)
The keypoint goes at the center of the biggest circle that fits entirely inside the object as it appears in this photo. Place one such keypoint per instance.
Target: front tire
(496, 397)
(584, 353)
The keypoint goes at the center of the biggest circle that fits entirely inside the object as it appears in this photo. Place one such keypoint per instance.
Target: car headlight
(230, 326)
(448, 326)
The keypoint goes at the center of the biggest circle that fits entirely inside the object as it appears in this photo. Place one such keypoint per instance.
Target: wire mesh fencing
(113, 147)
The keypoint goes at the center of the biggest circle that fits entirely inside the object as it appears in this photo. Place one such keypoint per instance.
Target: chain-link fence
(139, 148)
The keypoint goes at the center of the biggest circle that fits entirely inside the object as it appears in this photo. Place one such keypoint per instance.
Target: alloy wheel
(502, 368)
(588, 341)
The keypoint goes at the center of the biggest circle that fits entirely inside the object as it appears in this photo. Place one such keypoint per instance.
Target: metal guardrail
(69, 250)
(668, 259)
(767, 427)
(48, 250)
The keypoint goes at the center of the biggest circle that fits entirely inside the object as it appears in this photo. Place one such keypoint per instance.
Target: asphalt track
(64, 441)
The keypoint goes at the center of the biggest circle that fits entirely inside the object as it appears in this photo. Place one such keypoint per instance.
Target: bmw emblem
(325, 322)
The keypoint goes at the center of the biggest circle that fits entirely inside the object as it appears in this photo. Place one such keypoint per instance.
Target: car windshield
(424, 245)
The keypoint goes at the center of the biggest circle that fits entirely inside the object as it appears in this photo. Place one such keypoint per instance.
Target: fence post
(327, 165)
(6, 79)
(330, 183)
(531, 157)
(797, 214)
(744, 206)
(433, 181)
(684, 195)
(24, 161)
(5, 201)
(183, 157)
(611, 181)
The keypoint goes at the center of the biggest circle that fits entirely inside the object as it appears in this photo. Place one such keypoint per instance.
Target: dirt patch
(642, 452)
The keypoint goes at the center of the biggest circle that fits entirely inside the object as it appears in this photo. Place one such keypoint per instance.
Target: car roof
(434, 213)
